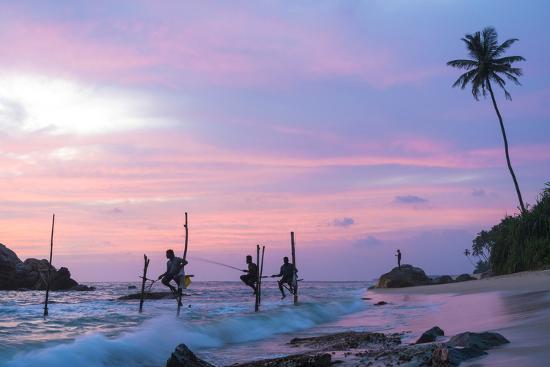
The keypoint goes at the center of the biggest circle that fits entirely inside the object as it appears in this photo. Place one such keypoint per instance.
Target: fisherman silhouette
(287, 273)
(251, 278)
(398, 254)
(173, 268)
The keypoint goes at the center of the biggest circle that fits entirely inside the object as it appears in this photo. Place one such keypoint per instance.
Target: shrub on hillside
(520, 242)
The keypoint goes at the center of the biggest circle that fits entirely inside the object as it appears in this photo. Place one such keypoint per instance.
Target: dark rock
(446, 356)
(465, 346)
(406, 276)
(8, 264)
(30, 274)
(61, 280)
(347, 340)
(381, 303)
(298, 360)
(464, 278)
(183, 357)
(371, 287)
(481, 341)
(132, 287)
(430, 335)
(444, 279)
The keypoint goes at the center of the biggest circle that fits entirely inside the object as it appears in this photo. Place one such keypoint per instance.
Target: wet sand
(517, 306)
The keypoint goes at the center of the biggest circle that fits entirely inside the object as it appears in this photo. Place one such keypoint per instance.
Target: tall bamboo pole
(181, 283)
(257, 304)
(144, 279)
(260, 277)
(49, 270)
(295, 276)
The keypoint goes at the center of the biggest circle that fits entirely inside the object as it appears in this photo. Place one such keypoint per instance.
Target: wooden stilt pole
(295, 277)
(181, 283)
(260, 278)
(144, 279)
(257, 304)
(49, 270)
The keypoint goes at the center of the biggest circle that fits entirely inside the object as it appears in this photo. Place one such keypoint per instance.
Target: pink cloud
(218, 49)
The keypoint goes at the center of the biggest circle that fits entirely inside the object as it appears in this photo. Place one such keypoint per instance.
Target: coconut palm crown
(487, 63)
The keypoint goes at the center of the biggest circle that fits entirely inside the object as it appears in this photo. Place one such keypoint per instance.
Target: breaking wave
(152, 342)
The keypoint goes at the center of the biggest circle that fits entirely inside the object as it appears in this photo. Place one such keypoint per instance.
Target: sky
(332, 119)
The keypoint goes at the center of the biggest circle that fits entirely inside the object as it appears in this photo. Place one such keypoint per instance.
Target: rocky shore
(32, 274)
(367, 349)
(411, 276)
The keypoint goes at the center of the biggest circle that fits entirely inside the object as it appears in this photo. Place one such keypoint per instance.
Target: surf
(151, 343)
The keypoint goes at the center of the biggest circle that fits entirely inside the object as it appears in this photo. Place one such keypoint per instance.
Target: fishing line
(217, 263)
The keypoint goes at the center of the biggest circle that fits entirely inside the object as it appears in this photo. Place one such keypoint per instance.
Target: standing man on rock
(398, 254)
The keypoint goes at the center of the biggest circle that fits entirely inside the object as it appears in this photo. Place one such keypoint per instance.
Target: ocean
(217, 322)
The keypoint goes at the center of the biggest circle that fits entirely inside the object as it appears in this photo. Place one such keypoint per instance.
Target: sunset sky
(334, 119)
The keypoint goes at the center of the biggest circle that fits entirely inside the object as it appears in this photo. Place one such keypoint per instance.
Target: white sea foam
(152, 342)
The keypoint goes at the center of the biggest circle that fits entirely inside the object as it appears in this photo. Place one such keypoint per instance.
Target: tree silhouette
(488, 64)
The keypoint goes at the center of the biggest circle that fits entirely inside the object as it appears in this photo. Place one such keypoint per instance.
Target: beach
(94, 329)
(515, 305)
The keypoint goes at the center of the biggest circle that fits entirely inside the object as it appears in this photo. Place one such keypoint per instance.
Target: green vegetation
(518, 243)
(488, 64)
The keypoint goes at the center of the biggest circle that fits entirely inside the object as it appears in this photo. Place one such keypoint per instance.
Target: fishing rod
(221, 264)
(216, 263)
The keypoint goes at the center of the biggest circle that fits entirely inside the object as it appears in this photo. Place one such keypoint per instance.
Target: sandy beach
(516, 305)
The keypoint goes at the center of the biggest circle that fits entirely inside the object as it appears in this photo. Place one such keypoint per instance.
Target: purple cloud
(410, 199)
(343, 222)
(367, 241)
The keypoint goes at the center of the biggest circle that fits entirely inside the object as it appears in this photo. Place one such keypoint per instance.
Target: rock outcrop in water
(405, 276)
(183, 357)
(364, 349)
(33, 274)
(411, 276)
(431, 335)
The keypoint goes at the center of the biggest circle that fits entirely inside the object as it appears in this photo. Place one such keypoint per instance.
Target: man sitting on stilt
(173, 268)
(287, 274)
(251, 278)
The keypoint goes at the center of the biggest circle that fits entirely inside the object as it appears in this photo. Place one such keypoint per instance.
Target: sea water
(217, 322)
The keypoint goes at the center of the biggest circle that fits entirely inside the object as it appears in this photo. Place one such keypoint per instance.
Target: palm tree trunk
(522, 206)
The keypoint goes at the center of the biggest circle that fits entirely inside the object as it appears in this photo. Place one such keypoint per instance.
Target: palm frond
(509, 59)
(489, 36)
(464, 79)
(501, 83)
(504, 46)
(463, 64)
(512, 78)
(473, 45)
(478, 86)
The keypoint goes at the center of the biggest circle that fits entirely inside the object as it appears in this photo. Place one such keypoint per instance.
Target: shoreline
(515, 305)
(528, 280)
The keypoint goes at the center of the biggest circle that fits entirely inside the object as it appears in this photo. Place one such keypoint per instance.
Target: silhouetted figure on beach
(398, 254)
(174, 266)
(287, 274)
(251, 278)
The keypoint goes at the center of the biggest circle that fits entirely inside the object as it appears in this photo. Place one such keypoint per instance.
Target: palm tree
(488, 66)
